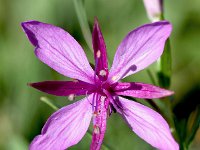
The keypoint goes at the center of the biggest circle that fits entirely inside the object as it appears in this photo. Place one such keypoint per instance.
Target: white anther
(103, 98)
(98, 54)
(102, 73)
(96, 129)
(71, 97)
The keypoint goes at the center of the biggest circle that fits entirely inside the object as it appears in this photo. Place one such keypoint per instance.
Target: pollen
(114, 78)
(95, 114)
(75, 80)
(96, 129)
(98, 54)
(71, 97)
(102, 73)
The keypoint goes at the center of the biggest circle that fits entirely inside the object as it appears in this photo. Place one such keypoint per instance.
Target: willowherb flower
(66, 127)
(154, 9)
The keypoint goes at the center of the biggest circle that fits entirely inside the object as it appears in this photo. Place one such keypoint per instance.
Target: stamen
(71, 97)
(96, 129)
(112, 108)
(98, 54)
(94, 104)
(95, 70)
(109, 111)
(102, 73)
(87, 98)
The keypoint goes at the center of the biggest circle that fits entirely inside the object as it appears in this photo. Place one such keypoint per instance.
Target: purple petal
(140, 90)
(64, 88)
(147, 124)
(140, 48)
(154, 9)
(59, 50)
(65, 127)
(100, 55)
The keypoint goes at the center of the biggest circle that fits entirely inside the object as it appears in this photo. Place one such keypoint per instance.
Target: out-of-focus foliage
(22, 114)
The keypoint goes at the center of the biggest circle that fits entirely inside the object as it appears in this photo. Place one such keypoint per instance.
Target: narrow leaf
(195, 126)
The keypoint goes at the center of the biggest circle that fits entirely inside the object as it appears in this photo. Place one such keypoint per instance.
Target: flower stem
(151, 76)
(49, 103)
(154, 105)
(82, 18)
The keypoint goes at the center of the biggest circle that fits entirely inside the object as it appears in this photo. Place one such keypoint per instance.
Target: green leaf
(82, 18)
(194, 119)
(164, 67)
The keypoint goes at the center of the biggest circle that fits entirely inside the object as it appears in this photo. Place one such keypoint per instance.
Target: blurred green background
(22, 114)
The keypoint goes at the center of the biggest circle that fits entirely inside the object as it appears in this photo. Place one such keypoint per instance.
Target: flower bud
(154, 9)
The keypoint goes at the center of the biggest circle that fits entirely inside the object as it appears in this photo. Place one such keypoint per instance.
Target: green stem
(170, 115)
(49, 103)
(151, 76)
(155, 106)
(183, 146)
(82, 18)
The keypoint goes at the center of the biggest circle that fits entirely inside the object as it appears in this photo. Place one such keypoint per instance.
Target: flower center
(103, 87)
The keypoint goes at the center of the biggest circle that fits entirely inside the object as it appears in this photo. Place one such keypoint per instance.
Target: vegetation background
(22, 114)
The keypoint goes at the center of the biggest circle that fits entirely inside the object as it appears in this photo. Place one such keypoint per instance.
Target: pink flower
(66, 127)
(154, 9)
